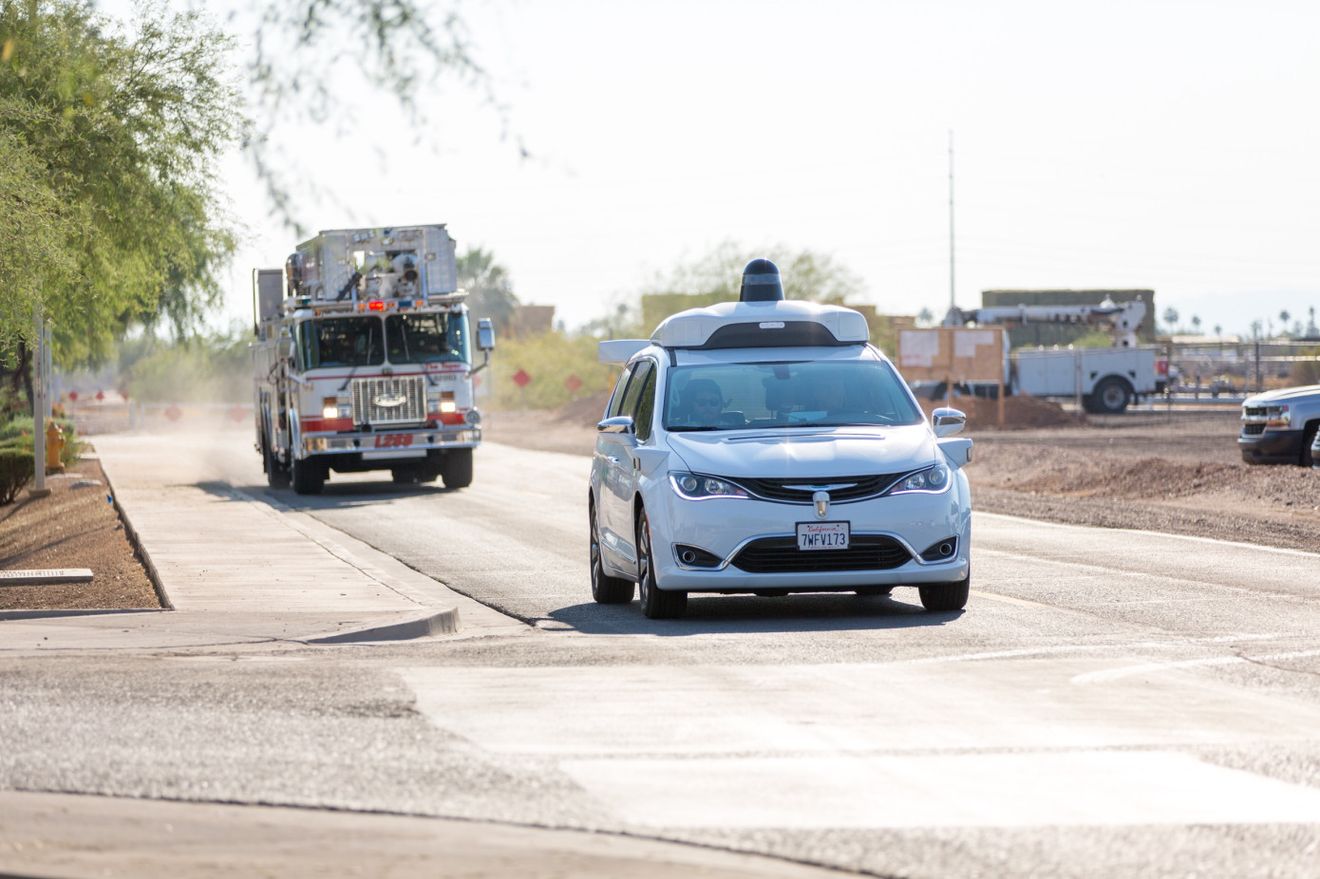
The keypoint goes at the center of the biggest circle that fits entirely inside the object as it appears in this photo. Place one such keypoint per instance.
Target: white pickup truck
(1279, 427)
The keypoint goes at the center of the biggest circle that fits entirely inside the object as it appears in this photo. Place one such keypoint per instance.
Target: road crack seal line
(1114, 674)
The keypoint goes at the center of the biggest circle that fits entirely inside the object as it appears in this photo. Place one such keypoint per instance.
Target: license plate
(822, 535)
(393, 440)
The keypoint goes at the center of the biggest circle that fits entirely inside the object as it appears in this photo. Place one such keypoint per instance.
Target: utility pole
(39, 408)
(951, 251)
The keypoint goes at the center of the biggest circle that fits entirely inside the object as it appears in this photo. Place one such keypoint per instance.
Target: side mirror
(947, 422)
(618, 424)
(486, 334)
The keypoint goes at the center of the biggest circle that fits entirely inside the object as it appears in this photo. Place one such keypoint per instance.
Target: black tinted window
(645, 413)
(427, 338)
(630, 397)
(341, 341)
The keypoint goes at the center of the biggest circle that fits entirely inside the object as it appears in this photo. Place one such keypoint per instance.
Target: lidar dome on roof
(695, 327)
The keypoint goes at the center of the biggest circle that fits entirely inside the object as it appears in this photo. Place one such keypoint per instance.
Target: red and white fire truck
(363, 360)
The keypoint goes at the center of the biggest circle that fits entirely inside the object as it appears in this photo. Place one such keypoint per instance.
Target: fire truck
(363, 360)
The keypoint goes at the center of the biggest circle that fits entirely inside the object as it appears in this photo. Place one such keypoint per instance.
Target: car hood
(1281, 395)
(806, 453)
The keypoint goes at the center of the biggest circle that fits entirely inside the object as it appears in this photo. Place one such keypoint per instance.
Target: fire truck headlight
(448, 406)
(329, 407)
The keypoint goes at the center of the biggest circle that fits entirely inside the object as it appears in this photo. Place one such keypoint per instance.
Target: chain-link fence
(1235, 369)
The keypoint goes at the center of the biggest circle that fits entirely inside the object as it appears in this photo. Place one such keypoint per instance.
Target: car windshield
(729, 396)
(340, 341)
(427, 338)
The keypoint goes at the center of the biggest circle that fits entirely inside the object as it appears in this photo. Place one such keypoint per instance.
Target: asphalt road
(1111, 703)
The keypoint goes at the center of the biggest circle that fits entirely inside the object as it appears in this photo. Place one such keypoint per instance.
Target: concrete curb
(152, 574)
(88, 612)
(443, 623)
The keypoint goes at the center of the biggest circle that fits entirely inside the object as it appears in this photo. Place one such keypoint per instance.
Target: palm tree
(1196, 323)
(1171, 317)
(1219, 330)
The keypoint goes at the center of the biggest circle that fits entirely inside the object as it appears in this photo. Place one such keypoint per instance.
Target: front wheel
(457, 468)
(1308, 442)
(946, 596)
(308, 476)
(657, 604)
(604, 588)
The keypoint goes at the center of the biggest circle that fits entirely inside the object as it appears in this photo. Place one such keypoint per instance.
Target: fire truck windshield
(340, 341)
(427, 338)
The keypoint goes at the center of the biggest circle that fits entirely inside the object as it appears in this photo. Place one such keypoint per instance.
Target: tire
(657, 604)
(457, 468)
(276, 475)
(604, 588)
(1110, 397)
(408, 474)
(308, 476)
(1308, 437)
(946, 596)
(874, 591)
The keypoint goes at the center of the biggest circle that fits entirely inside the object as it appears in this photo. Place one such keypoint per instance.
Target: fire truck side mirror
(486, 334)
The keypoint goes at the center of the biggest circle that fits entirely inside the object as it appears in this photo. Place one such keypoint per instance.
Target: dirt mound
(1020, 413)
(1077, 475)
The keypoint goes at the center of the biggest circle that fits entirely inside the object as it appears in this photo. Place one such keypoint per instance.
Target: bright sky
(1170, 145)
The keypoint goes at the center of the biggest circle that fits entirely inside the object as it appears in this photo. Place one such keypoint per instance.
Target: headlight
(932, 479)
(696, 487)
(1277, 416)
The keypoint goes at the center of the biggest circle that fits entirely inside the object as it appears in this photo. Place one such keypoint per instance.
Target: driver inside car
(702, 403)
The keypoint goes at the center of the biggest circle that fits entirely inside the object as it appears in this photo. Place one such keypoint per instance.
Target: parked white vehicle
(765, 446)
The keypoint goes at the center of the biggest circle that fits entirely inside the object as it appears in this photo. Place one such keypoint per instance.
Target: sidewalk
(239, 568)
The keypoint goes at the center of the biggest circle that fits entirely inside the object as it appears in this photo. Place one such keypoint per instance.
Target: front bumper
(391, 444)
(724, 526)
(1271, 447)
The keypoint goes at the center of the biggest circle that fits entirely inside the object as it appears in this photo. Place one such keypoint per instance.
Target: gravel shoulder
(75, 526)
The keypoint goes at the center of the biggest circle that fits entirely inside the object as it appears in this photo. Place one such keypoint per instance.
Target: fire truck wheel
(457, 468)
(408, 474)
(308, 476)
(276, 475)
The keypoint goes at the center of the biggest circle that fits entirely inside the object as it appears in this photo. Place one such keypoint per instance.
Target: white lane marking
(1187, 537)
(1020, 602)
(1115, 674)
(1086, 788)
(1108, 570)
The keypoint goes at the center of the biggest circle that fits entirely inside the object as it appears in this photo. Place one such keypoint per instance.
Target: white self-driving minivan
(766, 446)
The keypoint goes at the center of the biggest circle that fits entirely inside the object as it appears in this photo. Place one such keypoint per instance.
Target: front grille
(858, 487)
(1253, 429)
(780, 555)
(373, 399)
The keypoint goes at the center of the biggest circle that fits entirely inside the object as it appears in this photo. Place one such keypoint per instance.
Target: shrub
(16, 468)
(17, 434)
(549, 358)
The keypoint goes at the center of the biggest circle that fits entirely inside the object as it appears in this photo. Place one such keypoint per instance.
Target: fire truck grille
(381, 401)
